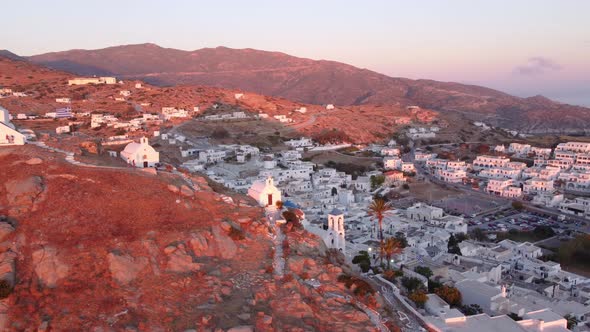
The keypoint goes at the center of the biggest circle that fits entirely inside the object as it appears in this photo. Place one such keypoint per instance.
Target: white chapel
(140, 154)
(8, 134)
(265, 192)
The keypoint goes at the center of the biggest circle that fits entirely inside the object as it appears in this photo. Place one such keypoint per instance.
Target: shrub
(236, 234)
(5, 289)
(419, 297)
(451, 295)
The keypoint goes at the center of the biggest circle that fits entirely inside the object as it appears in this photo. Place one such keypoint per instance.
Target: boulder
(180, 261)
(173, 188)
(7, 267)
(216, 243)
(23, 194)
(200, 245)
(186, 191)
(242, 328)
(34, 161)
(49, 267)
(125, 268)
(226, 247)
(5, 230)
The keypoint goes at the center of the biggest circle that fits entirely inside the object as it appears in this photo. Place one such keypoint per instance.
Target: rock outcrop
(23, 195)
(125, 268)
(49, 268)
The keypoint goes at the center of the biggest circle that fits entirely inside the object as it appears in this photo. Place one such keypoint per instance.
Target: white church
(8, 134)
(334, 237)
(265, 192)
(140, 154)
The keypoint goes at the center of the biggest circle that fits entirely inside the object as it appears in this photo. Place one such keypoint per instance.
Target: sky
(523, 47)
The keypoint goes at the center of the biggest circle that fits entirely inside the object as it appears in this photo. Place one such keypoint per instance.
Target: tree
(424, 270)
(517, 205)
(543, 232)
(401, 238)
(377, 181)
(292, 218)
(469, 310)
(479, 234)
(419, 297)
(279, 204)
(453, 246)
(389, 248)
(412, 284)
(377, 209)
(571, 321)
(451, 295)
(514, 316)
(363, 260)
(219, 133)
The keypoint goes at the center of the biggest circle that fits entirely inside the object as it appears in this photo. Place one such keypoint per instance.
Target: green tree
(412, 284)
(517, 205)
(389, 248)
(378, 208)
(453, 246)
(401, 238)
(571, 321)
(363, 260)
(377, 181)
(469, 310)
(424, 270)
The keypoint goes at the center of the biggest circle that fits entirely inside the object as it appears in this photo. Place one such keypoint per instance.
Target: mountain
(316, 82)
(11, 56)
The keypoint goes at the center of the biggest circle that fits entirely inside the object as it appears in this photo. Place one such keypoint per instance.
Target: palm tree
(390, 247)
(377, 209)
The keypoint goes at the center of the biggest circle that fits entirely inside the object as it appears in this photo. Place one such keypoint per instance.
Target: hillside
(106, 249)
(43, 85)
(316, 82)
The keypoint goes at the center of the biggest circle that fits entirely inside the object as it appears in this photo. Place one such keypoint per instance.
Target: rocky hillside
(123, 250)
(316, 82)
(366, 123)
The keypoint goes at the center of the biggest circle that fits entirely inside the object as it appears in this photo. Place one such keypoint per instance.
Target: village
(422, 250)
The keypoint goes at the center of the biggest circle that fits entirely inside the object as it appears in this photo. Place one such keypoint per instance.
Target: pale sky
(524, 47)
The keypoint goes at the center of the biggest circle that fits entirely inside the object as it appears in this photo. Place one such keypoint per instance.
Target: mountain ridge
(317, 82)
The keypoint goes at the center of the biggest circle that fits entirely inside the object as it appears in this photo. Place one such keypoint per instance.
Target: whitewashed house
(8, 134)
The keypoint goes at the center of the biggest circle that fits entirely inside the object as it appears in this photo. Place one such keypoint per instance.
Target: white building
(504, 188)
(265, 192)
(299, 143)
(533, 186)
(392, 163)
(8, 133)
(92, 80)
(330, 107)
(63, 100)
(140, 154)
(519, 149)
(62, 130)
(482, 162)
(335, 234)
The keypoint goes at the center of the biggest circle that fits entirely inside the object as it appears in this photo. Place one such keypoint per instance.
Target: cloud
(536, 66)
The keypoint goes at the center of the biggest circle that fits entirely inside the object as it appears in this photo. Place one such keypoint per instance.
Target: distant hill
(11, 56)
(315, 82)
